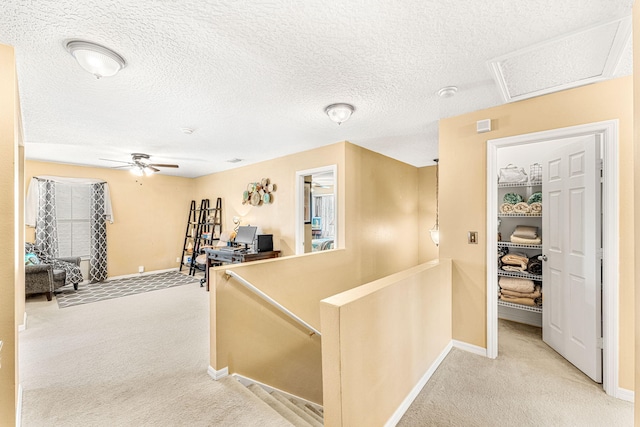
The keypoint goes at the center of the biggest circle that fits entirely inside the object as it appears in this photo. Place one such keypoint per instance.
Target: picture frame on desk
(306, 214)
(316, 223)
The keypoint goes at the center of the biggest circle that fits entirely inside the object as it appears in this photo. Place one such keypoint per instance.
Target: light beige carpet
(139, 360)
(527, 385)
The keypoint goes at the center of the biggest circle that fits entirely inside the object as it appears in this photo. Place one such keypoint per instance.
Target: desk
(217, 256)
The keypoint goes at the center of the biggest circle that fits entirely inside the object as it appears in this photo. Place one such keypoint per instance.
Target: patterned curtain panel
(324, 208)
(98, 259)
(46, 226)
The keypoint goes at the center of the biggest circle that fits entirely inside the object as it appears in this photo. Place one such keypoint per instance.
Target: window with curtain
(73, 213)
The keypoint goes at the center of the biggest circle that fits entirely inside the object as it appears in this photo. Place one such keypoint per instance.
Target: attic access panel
(576, 59)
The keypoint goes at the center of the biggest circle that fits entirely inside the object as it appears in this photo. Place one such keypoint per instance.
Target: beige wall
(378, 219)
(382, 213)
(463, 182)
(427, 250)
(150, 215)
(636, 180)
(252, 339)
(9, 236)
(277, 218)
(380, 339)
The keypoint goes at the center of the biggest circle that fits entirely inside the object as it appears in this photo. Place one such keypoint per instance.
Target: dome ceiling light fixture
(340, 112)
(447, 91)
(96, 59)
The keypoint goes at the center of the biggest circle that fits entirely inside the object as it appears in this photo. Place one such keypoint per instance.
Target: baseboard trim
(246, 381)
(19, 407)
(624, 394)
(24, 323)
(146, 273)
(406, 403)
(218, 375)
(480, 351)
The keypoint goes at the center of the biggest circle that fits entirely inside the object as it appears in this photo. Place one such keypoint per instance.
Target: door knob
(542, 257)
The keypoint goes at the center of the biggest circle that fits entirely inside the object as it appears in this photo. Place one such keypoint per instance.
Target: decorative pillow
(31, 259)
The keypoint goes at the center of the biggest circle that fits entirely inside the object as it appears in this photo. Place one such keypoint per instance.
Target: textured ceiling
(253, 78)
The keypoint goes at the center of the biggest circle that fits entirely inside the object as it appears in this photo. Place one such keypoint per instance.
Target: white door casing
(571, 318)
(608, 130)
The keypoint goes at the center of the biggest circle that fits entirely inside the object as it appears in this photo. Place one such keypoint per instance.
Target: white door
(572, 297)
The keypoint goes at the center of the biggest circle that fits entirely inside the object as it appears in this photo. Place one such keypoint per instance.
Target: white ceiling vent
(576, 59)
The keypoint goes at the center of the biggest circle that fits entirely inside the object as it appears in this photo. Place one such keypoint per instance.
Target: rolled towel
(535, 265)
(515, 284)
(537, 293)
(536, 208)
(523, 241)
(506, 208)
(522, 208)
(526, 232)
(535, 198)
(512, 198)
(521, 301)
(515, 258)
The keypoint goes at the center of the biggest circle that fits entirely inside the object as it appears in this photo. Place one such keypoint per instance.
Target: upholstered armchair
(46, 277)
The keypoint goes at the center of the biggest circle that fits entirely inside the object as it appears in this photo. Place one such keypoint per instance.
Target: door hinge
(600, 253)
(600, 343)
(601, 167)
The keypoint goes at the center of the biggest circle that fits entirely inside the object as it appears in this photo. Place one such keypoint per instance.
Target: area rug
(110, 289)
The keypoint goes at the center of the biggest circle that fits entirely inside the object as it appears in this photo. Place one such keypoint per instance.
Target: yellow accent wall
(10, 224)
(150, 215)
(463, 198)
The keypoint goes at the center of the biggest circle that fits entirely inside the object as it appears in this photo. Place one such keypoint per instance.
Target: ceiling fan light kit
(339, 112)
(96, 59)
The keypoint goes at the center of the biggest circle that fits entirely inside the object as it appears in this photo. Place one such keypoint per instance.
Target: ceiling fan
(141, 165)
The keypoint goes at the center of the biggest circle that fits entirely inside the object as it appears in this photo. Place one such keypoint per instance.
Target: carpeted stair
(298, 413)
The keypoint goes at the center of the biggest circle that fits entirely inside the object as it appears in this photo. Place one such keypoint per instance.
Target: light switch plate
(473, 237)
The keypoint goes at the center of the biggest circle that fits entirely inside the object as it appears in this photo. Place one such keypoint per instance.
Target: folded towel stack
(520, 291)
(526, 235)
(515, 284)
(515, 261)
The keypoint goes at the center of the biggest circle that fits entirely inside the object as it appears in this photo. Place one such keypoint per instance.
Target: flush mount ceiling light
(339, 113)
(96, 59)
(447, 91)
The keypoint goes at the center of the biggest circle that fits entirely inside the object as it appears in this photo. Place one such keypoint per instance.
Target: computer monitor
(246, 235)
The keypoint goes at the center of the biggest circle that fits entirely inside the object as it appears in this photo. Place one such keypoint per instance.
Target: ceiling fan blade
(118, 161)
(161, 165)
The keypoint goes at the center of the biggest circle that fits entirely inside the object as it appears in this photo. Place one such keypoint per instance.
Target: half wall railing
(273, 302)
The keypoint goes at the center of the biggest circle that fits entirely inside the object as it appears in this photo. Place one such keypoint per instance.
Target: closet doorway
(604, 136)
